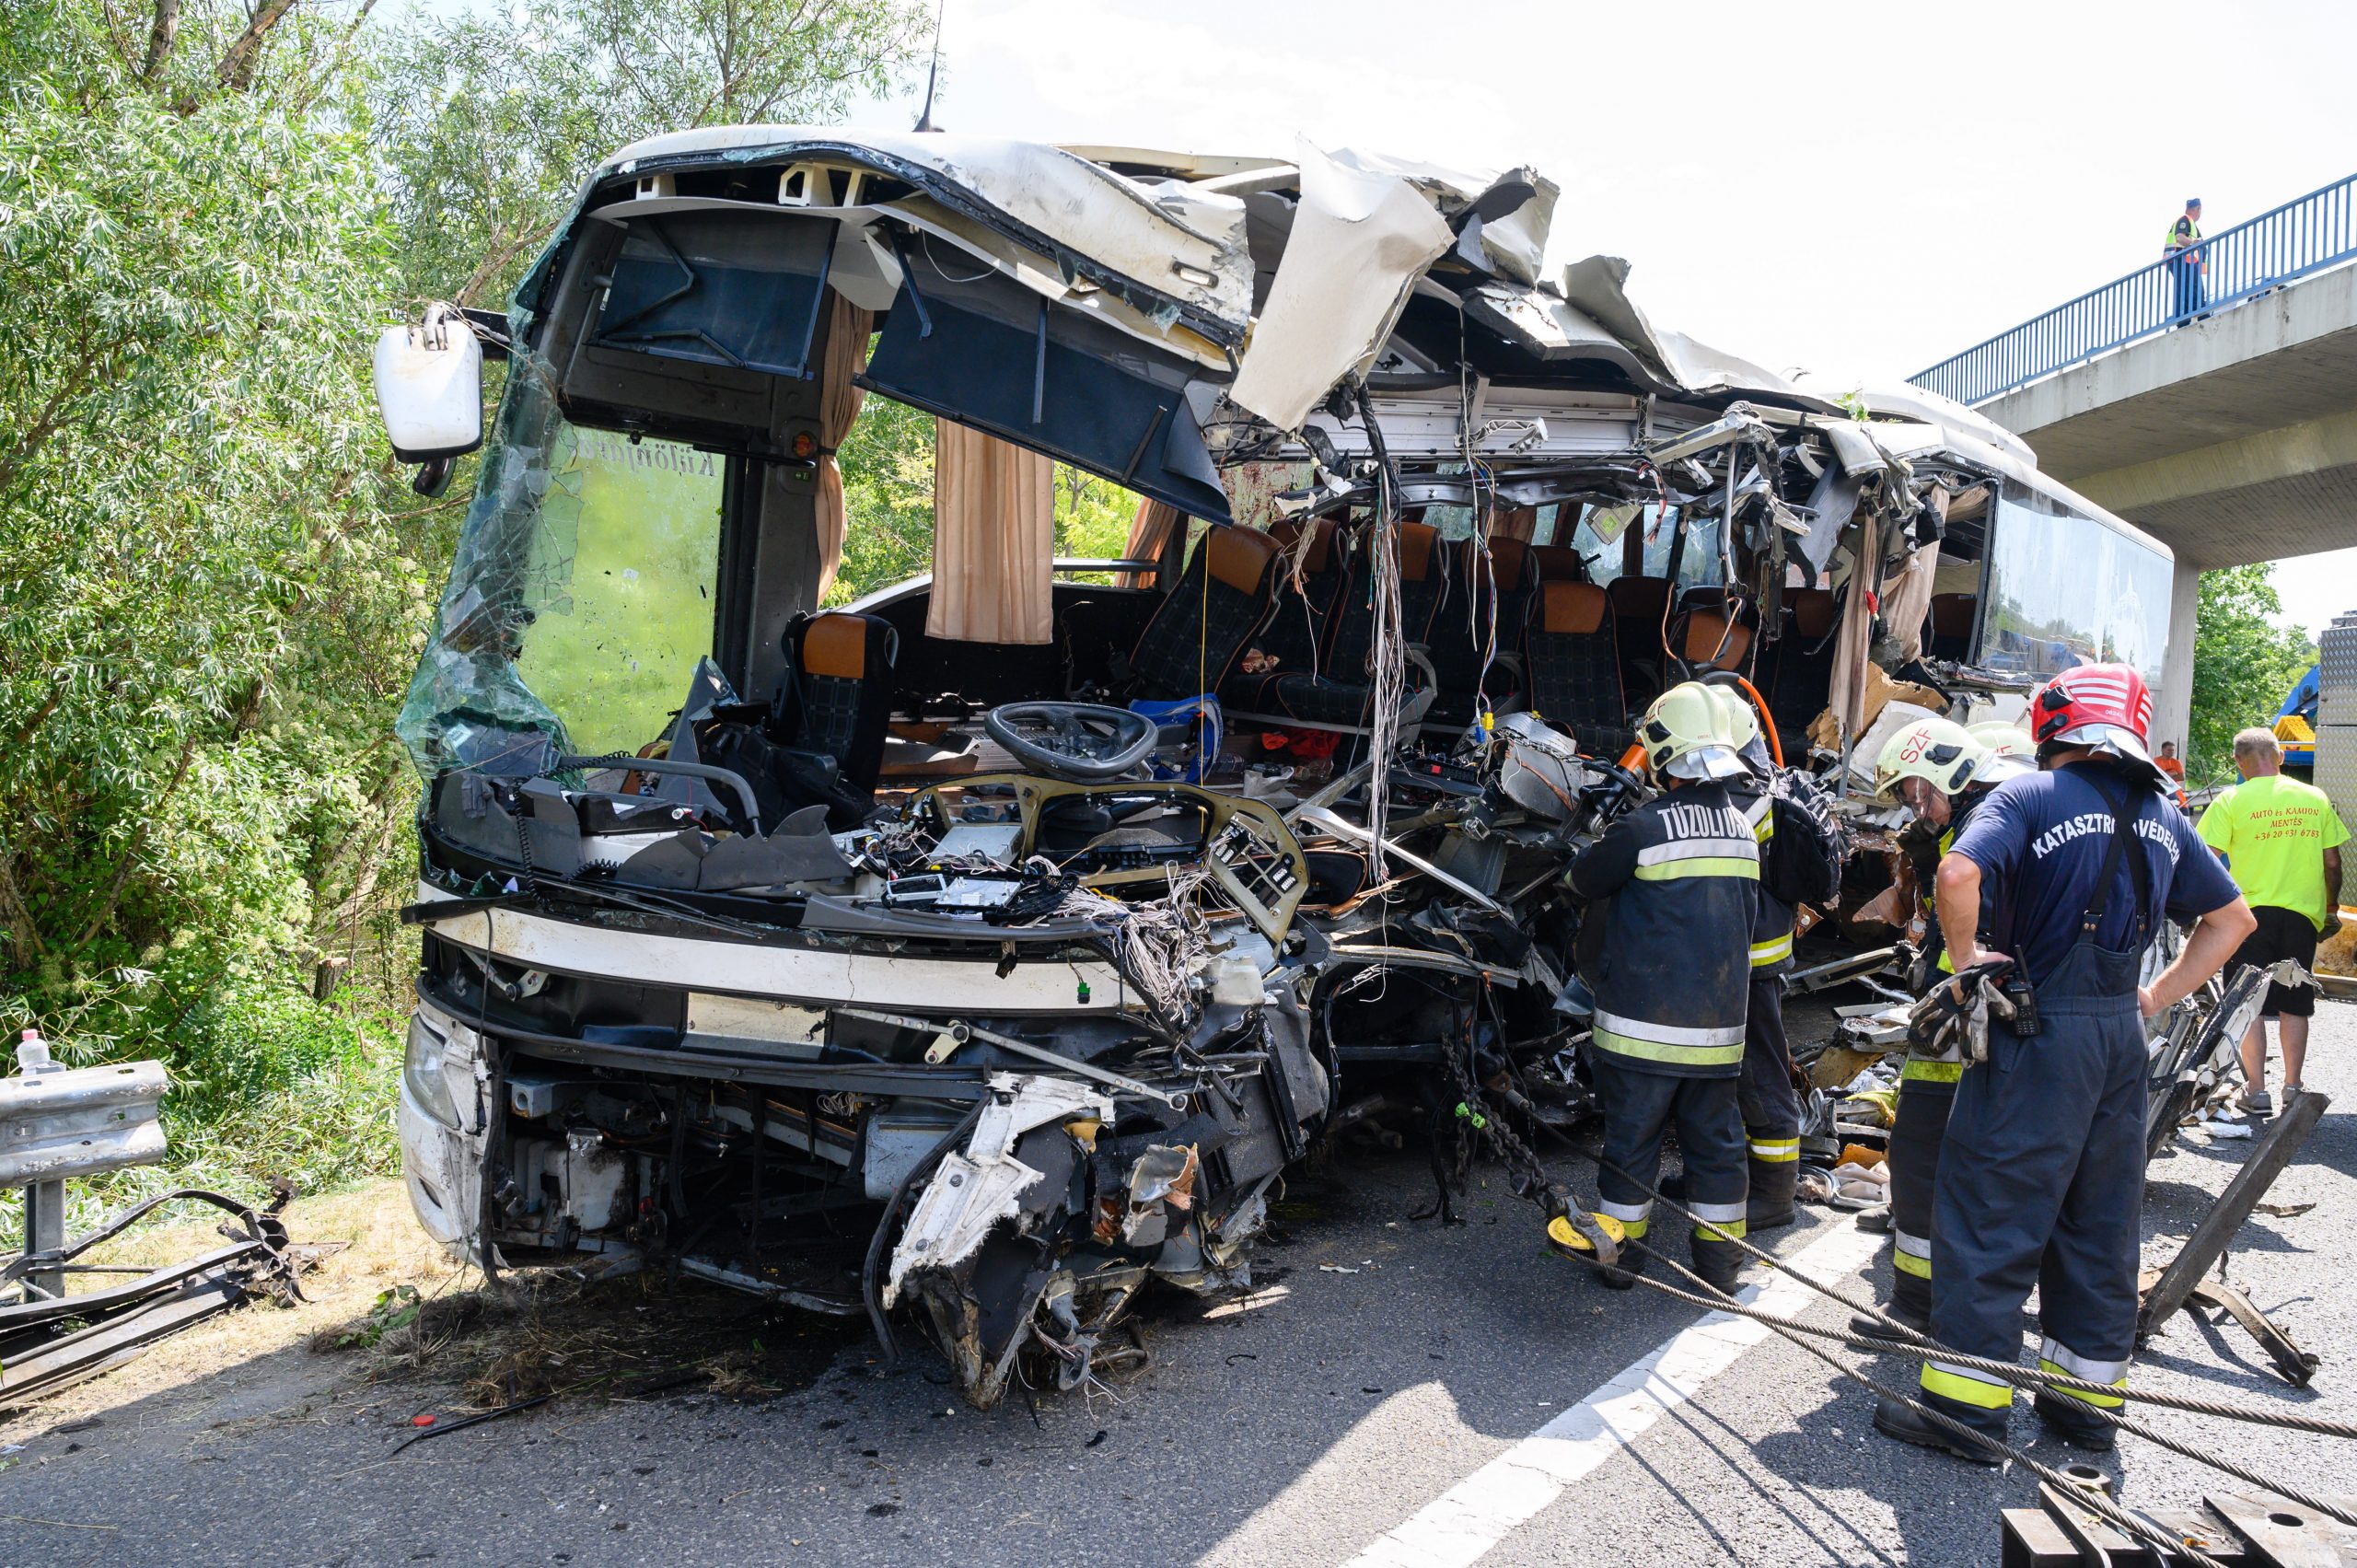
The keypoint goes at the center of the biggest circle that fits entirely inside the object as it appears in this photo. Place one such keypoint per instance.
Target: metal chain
(1521, 1161)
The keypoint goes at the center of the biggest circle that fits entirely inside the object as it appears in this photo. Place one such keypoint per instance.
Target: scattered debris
(438, 1428)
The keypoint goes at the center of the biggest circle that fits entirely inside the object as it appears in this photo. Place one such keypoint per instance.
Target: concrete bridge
(2229, 434)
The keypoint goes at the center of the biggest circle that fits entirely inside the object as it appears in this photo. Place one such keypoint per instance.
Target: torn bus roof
(1212, 287)
(1167, 241)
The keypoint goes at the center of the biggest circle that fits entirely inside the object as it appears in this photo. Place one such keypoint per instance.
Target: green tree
(2243, 665)
(206, 605)
(487, 125)
(213, 583)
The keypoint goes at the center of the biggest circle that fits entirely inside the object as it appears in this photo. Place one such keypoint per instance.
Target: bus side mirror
(429, 387)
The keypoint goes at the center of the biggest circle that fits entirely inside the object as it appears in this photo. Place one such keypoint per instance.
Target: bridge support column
(2173, 703)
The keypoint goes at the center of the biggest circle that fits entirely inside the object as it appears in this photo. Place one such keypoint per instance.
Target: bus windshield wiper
(449, 909)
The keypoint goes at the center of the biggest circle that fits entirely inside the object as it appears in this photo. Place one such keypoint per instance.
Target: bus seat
(1337, 697)
(838, 699)
(1294, 634)
(1556, 564)
(1802, 681)
(1638, 604)
(1712, 630)
(1199, 630)
(1571, 641)
(1456, 639)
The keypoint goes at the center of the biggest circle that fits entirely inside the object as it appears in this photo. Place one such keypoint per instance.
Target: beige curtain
(993, 540)
(1150, 530)
(839, 401)
(1907, 601)
(1847, 696)
(1514, 522)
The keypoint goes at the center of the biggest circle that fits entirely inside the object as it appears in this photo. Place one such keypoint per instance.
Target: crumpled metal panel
(1373, 228)
(74, 1122)
(1170, 237)
(976, 1188)
(1597, 289)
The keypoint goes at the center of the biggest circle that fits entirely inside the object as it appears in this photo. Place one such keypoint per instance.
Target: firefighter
(2042, 1173)
(1675, 883)
(1939, 771)
(1765, 1090)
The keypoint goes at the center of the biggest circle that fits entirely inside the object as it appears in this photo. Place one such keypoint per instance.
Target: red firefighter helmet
(2106, 707)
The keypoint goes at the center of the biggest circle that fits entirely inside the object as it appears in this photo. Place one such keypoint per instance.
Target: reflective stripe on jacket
(1772, 937)
(1676, 885)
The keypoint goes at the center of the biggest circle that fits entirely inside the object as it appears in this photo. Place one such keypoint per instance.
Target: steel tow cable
(2100, 1505)
(1908, 1341)
(1541, 1189)
(1884, 1347)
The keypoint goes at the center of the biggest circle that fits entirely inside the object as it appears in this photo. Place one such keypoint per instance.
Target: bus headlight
(421, 1071)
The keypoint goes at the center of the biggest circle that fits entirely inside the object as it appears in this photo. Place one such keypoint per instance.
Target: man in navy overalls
(2043, 1172)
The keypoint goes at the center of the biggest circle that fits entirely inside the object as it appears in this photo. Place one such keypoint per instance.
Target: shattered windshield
(581, 598)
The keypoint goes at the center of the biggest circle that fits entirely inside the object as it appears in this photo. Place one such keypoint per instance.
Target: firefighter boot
(2071, 1421)
(1898, 1311)
(1717, 1263)
(1904, 1422)
(1774, 1176)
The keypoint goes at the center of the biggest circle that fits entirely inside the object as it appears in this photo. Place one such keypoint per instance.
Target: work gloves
(1952, 1018)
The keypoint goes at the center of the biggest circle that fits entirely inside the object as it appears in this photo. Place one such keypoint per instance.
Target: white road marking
(1461, 1524)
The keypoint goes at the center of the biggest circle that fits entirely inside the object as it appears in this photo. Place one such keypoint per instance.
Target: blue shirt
(2041, 839)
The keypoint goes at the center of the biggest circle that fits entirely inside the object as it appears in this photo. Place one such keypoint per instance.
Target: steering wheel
(1080, 742)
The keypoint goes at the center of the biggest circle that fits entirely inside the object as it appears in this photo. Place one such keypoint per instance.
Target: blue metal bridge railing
(2294, 240)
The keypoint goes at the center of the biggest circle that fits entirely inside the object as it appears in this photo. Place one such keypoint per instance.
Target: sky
(1856, 190)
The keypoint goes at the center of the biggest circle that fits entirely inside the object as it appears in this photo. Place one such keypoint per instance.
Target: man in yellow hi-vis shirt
(2281, 841)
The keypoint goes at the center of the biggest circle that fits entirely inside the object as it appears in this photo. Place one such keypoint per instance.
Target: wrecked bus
(981, 952)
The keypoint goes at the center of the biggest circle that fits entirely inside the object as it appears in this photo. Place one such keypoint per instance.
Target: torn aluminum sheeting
(1163, 1176)
(1901, 401)
(977, 1187)
(1514, 244)
(1501, 219)
(1550, 328)
(1375, 229)
(1856, 446)
(1170, 238)
(1542, 771)
(1598, 287)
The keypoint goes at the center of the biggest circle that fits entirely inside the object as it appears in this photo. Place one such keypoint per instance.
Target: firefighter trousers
(1918, 1132)
(1640, 1108)
(2041, 1181)
(1771, 1105)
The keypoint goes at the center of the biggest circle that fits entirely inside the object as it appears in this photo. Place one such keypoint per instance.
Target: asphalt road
(1335, 1409)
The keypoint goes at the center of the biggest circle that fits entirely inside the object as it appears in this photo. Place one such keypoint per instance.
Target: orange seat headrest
(1572, 609)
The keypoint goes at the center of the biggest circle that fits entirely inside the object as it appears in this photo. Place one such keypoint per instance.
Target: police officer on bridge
(2042, 1176)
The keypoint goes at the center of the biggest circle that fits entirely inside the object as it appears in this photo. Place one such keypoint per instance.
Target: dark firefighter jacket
(1672, 979)
(1771, 936)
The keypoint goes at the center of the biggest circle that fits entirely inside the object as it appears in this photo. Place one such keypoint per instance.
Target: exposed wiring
(1388, 652)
